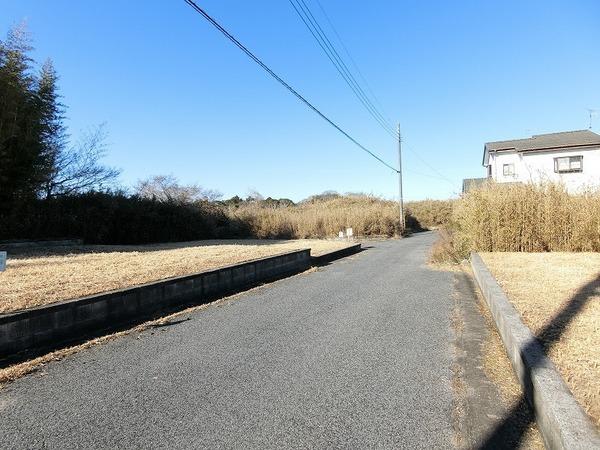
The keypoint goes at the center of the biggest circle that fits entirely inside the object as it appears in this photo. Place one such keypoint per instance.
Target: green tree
(21, 159)
(36, 159)
(53, 134)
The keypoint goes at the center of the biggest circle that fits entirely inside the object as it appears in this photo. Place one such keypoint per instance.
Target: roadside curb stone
(562, 422)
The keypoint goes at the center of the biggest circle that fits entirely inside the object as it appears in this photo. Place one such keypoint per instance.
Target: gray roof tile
(547, 141)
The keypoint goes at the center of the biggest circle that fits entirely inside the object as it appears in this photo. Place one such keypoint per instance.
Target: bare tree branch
(166, 188)
(78, 168)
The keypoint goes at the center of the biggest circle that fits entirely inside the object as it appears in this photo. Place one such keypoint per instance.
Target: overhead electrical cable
(311, 23)
(441, 176)
(251, 55)
(352, 60)
(382, 117)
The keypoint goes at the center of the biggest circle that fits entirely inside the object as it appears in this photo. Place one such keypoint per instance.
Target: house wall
(539, 166)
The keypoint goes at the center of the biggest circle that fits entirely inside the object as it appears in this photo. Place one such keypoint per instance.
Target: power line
(354, 64)
(383, 117)
(441, 176)
(369, 104)
(251, 55)
(312, 24)
(305, 14)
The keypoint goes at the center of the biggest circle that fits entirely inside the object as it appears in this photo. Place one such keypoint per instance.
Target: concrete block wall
(336, 254)
(14, 245)
(67, 321)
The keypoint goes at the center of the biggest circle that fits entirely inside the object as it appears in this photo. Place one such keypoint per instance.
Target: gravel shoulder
(489, 410)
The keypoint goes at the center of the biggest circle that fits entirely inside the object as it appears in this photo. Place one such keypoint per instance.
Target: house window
(508, 170)
(566, 164)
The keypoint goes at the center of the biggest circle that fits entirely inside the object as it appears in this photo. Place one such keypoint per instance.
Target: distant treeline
(108, 218)
(117, 218)
(53, 188)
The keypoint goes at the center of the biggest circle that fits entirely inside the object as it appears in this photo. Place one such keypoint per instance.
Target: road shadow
(535, 351)
(327, 259)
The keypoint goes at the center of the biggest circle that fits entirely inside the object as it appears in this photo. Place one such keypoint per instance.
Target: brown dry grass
(443, 252)
(540, 285)
(430, 213)
(527, 218)
(40, 277)
(367, 215)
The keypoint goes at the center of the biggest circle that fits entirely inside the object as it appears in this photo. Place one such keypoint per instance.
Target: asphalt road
(356, 355)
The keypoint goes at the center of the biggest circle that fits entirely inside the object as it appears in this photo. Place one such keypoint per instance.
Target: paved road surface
(354, 355)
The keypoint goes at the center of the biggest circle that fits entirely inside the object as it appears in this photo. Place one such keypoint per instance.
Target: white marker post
(2, 261)
(349, 233)
(341, 235)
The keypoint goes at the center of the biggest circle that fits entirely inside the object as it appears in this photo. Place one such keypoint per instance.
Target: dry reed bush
(430, 213)
(527, 218)
(443, 251)
(367, 215)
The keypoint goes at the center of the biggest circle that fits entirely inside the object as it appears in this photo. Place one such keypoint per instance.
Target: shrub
(321, 218)
(428, 214)
(527, 218)
(444, 250)
(102, 218)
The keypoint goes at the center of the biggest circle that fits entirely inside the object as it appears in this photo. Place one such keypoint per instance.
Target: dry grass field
(45, 276)
(541, 286)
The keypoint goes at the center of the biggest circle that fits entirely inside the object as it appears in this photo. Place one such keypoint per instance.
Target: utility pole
(400, 198)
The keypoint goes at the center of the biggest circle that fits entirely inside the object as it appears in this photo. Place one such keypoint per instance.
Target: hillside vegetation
(105, 218)
(368, 216)
(326, 216)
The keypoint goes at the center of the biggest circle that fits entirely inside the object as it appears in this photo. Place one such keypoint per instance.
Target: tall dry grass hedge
(527, 218)
(430, 213)
(367, 215)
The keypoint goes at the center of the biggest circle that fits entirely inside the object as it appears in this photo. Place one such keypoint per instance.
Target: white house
(571, 157)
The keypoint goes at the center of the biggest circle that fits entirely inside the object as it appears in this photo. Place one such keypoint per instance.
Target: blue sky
(178, 98)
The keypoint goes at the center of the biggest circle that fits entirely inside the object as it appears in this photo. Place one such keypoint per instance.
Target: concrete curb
(44, 328)
(18, 245)
(336, 254)
(562, 422)
(33, 331)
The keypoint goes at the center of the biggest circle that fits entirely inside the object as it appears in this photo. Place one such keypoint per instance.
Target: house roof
(542, 142)
(547, 141)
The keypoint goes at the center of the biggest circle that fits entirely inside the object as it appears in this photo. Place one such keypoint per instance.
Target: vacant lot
(558, 297)
(39, 277)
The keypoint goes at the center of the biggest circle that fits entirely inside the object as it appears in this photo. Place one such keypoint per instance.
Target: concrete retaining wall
(14, 245)
(562, 422)
(331, 256)
(45, 327)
